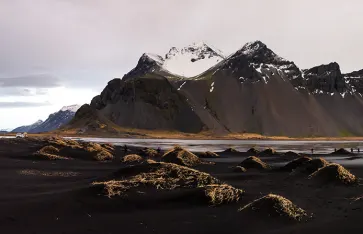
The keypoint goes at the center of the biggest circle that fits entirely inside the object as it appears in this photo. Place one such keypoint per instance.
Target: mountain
(28, 128)
(355, 79)
(54, 121)
(184, 62)
(252, 90)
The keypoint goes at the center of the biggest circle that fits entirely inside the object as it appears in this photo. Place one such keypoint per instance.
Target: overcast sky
(62, 52)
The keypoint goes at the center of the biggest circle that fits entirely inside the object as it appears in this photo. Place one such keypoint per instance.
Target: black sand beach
(57, 196)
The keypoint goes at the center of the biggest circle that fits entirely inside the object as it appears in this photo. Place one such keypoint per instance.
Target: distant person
(335, 149)
(351, 150)
(125, 148)
(358, 150)
(312, 151)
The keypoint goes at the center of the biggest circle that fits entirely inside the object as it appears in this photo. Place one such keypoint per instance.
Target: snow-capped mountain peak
(191, 60)
(251, 48)
(72, 108)
(153, 57)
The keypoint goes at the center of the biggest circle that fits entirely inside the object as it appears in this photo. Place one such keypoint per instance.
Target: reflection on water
(242, 145)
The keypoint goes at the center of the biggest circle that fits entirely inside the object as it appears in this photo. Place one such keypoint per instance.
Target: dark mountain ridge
(252, 90)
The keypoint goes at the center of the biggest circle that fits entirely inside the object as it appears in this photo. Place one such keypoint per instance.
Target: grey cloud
(31, 81)
(10, 105)
(19, 91)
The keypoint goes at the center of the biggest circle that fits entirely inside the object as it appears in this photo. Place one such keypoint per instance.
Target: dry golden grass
(314, 165)
(108, 147)
(59, 141)
(160, 176)
(253, 151)
(254, 163)
(148, 152)
(59, 148)
(208, 154)
(181, 156)
(231, 150)
(103, 155)
(33, 172)
(169, 176)
(334, 173)
(49, 153)
(239, 169)
(296, 163)
(149, 161)
(273, 205)
(268, 151)
(222, 193)
(132, 158)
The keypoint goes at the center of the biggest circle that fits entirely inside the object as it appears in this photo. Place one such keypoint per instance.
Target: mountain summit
(184, 62)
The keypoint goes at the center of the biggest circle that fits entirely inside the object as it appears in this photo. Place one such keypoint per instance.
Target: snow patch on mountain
(72, 108)
(192, 60)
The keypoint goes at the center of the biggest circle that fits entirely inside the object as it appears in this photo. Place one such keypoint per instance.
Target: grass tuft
(254, 163)
(169, 176)
(273, 205)
(208, 154)
(132, 158)
(334, 173)
(181, 156)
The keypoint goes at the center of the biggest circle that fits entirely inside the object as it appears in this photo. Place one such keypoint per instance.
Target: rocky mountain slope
(252, 90)
(54, 121)
(28, 128)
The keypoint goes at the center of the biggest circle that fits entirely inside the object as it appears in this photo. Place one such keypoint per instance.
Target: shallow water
(320, 147)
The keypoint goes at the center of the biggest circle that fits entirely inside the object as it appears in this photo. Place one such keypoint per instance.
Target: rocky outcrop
(325, 78)
(149, 102)
(355, 79)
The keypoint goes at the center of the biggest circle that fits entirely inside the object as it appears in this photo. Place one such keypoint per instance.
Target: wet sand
(40, 196)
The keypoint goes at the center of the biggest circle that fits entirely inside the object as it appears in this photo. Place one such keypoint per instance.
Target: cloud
(22, 92)
(11, 105)
(31, 81)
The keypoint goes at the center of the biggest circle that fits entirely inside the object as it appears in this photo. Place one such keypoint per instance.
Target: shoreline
(187, 136)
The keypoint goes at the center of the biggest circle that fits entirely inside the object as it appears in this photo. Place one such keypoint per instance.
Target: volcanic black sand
(41, 194)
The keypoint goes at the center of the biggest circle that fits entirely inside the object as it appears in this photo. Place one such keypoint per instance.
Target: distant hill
(28, 128)
(53, 122)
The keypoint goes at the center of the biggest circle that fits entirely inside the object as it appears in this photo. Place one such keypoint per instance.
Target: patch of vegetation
(314, 165)
(254, 163)
(268, 152)
(275, 206)
(208, 154)
(148, 152)
(181, 156)
(253, 151)
(49, 152)
(334, 173)
(132, 158)
(231, 150)
(169, 176)
(239, 169)
(345, 133)
(222, 193)
(296, 163)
